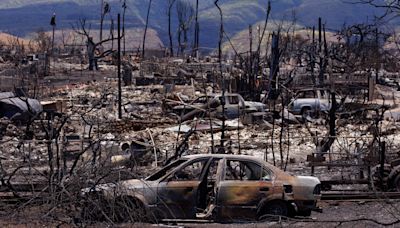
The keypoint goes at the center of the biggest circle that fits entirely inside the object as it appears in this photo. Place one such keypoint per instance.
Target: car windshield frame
(166, 170)
(183, 165)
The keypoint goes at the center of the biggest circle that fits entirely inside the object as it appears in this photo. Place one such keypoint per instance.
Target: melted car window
(212, 172)
(246, 171)
(233, 100)
(306, 94)
(189, 172)
(266, 175)
(242, 170)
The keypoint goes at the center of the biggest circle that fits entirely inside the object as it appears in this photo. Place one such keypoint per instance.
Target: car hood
(128, 184)
(307, 180)
(135, 184)
(254, 103)
(145, 191)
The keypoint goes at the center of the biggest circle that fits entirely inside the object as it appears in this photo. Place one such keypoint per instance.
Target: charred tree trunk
(145, 28)
(327, 142)
(171, 47)
(274, 67)
(312, 58)
(180, 42)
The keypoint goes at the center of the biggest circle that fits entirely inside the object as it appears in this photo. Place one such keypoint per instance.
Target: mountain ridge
(21, 17)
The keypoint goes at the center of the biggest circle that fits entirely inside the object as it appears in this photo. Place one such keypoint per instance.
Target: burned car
(235, 106)
(213, 187)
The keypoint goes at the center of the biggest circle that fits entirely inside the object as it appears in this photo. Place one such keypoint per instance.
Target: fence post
(382, 163)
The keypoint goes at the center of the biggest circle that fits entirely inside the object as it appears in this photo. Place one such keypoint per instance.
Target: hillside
(133, 38)
(20, 17)
(8, 39)
(241, 42)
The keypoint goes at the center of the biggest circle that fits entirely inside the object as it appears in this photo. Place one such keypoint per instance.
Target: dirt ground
(358, 214)
(348, 214)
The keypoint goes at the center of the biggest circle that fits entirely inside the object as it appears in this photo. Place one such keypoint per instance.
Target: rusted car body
(235, 105)
(217, 187)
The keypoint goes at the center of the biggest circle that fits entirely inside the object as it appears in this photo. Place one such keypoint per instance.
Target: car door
(232, 106)
(177, 193)
(206, 190)
(242, 186)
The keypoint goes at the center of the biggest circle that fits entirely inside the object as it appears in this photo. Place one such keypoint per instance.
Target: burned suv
(217, 187)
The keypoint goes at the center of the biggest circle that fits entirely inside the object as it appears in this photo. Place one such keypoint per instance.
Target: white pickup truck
(311, 101)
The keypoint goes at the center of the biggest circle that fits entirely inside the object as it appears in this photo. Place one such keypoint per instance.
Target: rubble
(65, 132)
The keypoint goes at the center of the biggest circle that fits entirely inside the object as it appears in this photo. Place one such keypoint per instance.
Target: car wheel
(305, 213)
(305, 112)
(376, 177)
(394, 179)
(273, 210)
(94, 208)
(128, 209)
(396, 183)
(91, 213)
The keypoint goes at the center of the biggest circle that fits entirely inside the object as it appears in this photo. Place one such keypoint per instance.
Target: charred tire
(272, 210)
(291, 211)
(94, 208)
(396, 183)
(376, 177)
(128, 209)
(305, 213)
(305, 112)
(394, 179)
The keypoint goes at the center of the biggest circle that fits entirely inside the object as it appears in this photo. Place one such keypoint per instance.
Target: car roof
(233, 156)
(220, 156)
(217, 94)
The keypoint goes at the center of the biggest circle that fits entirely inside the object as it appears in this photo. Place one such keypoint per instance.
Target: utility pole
(123, 24)
(321, 71)
(312, 57)
(119, 69)
(250, 70)
(196, 31)
(53, 24)
(377, 56)
(222, 99)
(101, 20)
